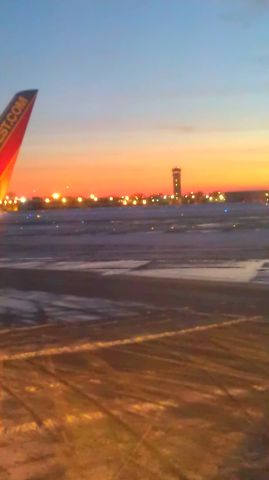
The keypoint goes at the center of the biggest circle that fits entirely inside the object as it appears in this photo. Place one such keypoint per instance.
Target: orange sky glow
(207, 164)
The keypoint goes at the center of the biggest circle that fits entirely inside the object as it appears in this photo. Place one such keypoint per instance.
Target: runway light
(55, 196)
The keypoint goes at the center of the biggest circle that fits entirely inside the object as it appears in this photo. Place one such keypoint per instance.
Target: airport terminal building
(249, 196)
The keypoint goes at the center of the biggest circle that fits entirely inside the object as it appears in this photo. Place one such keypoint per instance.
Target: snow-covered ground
(234, 271)
(214, 242)
(24, 308)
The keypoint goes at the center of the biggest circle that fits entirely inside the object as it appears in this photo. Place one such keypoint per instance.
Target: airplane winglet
(13, 124)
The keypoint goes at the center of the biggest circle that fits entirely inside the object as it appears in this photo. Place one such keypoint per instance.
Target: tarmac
(174, 386)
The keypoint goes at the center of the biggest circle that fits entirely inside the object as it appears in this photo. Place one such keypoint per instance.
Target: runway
(128, 377)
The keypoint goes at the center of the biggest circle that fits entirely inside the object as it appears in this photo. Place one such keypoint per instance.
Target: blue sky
(132, 75)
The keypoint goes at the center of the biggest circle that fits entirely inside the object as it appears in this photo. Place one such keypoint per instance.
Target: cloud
(260, 3)
(178, 128)
(245, 12)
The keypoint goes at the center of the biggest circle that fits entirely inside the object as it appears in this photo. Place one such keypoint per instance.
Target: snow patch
(245, 271)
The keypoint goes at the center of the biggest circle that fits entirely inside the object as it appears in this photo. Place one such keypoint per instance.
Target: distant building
(249, 196)
(176, 182)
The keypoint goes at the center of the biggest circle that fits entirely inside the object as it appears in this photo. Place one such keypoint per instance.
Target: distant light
(221, 197)
(56, 196)
(127, 197)
(144, 201)
(134, 202)
(165, 197)
(23, 200)
(207, 196)
(211, 199)
(47, 200)
(64, 200)
(10, 202)
(111, 199)
(193, 196)
(80, 199)
(92, 196)
(172, 196)
(96, 199)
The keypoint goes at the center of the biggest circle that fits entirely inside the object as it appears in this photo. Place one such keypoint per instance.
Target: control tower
(177, 182)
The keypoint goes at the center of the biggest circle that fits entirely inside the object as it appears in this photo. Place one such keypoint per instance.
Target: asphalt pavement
(174, 387)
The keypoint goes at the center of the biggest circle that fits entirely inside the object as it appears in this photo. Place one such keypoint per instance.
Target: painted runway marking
(93, 346)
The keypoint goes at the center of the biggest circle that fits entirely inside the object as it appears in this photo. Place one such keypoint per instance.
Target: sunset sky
(129, 89)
